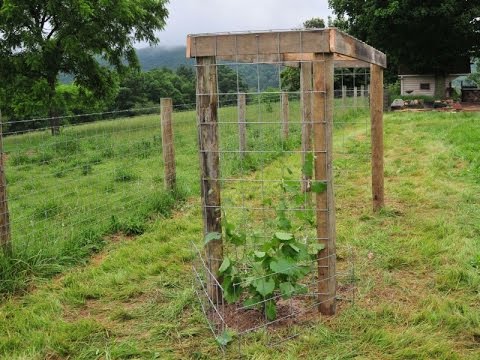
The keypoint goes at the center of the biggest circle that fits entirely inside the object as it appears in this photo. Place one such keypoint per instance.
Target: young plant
(275, 268)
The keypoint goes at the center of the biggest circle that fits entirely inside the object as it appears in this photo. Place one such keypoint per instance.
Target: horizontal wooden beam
(285, 46)
(344, 44)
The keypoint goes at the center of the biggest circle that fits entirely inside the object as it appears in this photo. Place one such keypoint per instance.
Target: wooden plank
(376, 114)
(259, 43)
(168, 147)
(242, 124)
(285, 115)
(325, 205)
(292, 45)
(306, 103)
(344, 44)
(207, 109)
(5, 235)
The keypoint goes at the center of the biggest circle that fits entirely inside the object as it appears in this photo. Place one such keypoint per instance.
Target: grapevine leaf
(307, 168)
(283, 236)
(283, 266)
(301, 289)
(315, 248)
(260, 254)
(212, 236)
(252, 302)
(225, 338)
(294, 247)
(318, 187)
(231, 289)
(264, 287)
(225, 265)
(287, 290)
(270, 310)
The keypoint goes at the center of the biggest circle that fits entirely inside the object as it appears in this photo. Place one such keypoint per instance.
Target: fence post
(344, 93)
(376, 115)
(306, 92)
(5, 235)
(325, 203)
(362, 92)
(355, 91)
(168, 147)
(207, 122)
(242, 125)
(285, 114)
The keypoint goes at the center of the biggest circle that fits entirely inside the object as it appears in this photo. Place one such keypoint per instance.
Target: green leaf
(287, 290)
(282, 236)
(264, 287)
(260, 254)
(271, 310)
(283, 266)
(231, 289)
(315, 248)
(318, 187)
(225, 265)
(294, 247)
(212, 236)
(252, 302)
(307, 168)
(225, 338)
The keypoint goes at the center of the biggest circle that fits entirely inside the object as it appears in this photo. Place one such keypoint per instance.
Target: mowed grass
(417, 262)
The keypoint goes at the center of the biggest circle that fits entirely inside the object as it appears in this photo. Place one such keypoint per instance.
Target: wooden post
(376, 114)
(285, 114)
(166, 109)
(207, 108)
(355, 96)
(242, 125)
(306, 101)
(5, 235)
(325, 204)
(362, 92)
(344, 93)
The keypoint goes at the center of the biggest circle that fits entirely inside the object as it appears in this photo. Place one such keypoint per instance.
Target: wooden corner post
(5, 236)
(376, 114)
(306, 101)
(207, 121)
(166, 109)
(325, 204)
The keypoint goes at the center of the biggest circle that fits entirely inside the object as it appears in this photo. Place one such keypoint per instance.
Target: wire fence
(263, 266)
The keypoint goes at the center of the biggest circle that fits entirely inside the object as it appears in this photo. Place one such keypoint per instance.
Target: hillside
(156, 57)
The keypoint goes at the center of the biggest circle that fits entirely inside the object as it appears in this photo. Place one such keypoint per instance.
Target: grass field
(418, 261)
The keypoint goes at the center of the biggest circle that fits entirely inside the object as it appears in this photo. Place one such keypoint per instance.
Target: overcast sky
(200, 16)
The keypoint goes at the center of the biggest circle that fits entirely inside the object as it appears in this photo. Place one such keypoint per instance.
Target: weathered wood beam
(278, 46)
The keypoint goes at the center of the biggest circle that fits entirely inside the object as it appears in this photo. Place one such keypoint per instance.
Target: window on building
(424, 86)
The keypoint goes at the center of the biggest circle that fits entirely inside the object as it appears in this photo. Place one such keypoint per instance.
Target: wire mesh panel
(266, 150)
(69, 191)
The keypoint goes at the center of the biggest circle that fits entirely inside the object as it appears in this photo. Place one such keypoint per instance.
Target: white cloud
(200, 16)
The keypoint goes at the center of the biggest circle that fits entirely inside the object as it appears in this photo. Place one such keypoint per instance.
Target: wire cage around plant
(269, 255)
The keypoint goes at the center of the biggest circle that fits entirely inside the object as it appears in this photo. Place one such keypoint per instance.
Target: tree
(90, 40)
(427, 36)
(314, 23)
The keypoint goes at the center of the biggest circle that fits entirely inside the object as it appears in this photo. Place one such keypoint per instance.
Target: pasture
(102, 255)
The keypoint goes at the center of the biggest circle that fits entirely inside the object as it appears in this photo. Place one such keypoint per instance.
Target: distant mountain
(262, 76)
(157, 57)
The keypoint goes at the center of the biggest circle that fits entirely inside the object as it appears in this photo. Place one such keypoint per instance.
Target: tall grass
(67, 193)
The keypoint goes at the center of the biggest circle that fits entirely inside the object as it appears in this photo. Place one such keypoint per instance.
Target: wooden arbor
(317, 52)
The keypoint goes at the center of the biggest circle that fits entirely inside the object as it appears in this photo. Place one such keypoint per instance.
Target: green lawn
(417, 262)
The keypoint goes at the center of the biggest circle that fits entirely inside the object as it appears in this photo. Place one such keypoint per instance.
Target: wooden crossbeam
(285, 46)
